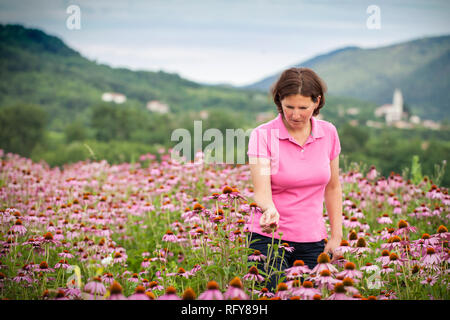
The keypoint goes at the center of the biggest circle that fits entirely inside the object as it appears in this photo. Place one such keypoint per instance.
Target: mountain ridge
(372, 74)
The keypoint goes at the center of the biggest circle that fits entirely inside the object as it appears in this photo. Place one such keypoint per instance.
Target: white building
(157, 106)
(114, 97)
(392, 112)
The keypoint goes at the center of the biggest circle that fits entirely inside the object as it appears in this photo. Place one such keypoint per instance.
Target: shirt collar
(316, 129)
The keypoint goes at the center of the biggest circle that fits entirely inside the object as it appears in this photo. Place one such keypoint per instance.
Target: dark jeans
(306, 251)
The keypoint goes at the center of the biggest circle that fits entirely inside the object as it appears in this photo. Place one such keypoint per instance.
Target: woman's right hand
(269, 220)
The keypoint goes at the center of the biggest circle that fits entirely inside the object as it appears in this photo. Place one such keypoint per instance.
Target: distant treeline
(118, 134)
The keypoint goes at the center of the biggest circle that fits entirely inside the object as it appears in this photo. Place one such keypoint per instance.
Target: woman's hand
(269, 220)
(331, 246)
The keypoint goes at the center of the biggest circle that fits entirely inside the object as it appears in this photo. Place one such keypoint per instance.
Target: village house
(114, 97)
(157, 106)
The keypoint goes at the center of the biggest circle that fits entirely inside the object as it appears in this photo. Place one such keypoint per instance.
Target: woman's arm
(260, 172)
(333, 202)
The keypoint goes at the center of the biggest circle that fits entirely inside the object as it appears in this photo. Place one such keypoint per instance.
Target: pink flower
(212, 292)
(95, 287)
(65, 254)
(430, 280)
(253, 275)
(116, 292)
(339, 293)
(139, 294)
(299, 268)
(256, 256)
(431, 258)
(370, 267)
(323, 263)
(18, 228)
(282, 291)
(404, 228)
(384, 219)
(325, 280)
(264, 292)
(235, 290)
(306, 291)
(169, 237)
(285, 246)
(171, 294)
(22, 277)
(62, 264)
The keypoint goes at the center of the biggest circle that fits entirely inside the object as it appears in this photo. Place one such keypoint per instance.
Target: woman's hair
(302, 81)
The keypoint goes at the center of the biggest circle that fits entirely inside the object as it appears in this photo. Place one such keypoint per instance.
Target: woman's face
(298, 110)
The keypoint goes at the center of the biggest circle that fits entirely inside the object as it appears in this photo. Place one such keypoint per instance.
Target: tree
(22, 126)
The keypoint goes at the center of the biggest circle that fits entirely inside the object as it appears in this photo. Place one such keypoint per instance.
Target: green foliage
(21, 128)
(75, 131)
(416, 170)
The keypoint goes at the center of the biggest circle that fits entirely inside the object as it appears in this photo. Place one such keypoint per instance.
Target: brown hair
(302, 81)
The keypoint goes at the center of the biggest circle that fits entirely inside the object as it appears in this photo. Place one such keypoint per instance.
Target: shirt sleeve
(335, 144)
(257, 144)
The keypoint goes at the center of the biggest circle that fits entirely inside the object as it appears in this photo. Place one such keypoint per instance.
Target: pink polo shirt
(299, 175)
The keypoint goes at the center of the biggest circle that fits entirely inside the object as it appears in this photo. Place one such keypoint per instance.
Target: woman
(294, 163)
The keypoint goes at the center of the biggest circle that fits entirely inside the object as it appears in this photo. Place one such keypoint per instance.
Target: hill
(419, 68)
(41, 69)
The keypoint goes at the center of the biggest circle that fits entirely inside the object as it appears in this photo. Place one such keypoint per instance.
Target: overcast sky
(230, 41)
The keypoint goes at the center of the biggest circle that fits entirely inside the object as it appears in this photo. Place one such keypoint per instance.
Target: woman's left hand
(331, 246)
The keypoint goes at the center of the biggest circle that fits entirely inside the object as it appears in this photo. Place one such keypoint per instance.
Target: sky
(235, 42)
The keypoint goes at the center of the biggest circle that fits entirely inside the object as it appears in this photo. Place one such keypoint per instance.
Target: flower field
(163, 230)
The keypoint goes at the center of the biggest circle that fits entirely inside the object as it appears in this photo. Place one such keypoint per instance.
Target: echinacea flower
(299, 268)
(282, 291)
(18, 228)
(384, 219)
(212, 292)
(95, 287)
(395, 260)
(235, 290)
(154, 285)
(170, 294)
(139, 294)
(180, 272)
(256, 256)
(188, 294)
(264, 293)
(361, 247)
(62, 264)
(369, 267)
(43, 267)
(253, 275)
(350, 271)
(108, 278)
(306, 291)
(323, 262)
(429, 280)
(404, 228)
(169, 237)
(22, 277)
(339, 293)
(431, 259)
(116, 292)
(442, 233)
(65, 254)
(285, 246)
(348, 284)
(134, 278)
(344, 247)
